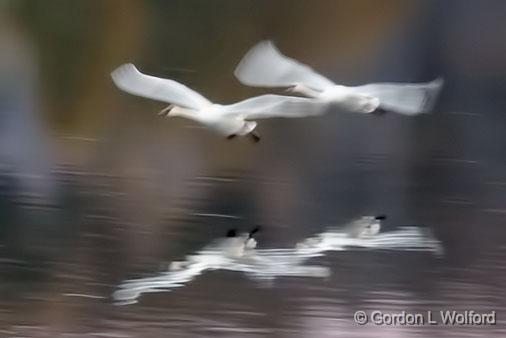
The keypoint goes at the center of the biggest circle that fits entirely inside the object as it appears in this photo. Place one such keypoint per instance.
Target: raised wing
(129, 79)
(265, 66)
(404, 98)
(270, 105)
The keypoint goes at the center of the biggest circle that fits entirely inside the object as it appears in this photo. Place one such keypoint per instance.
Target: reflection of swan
(238, 253)
(235, 253)
(405, 238)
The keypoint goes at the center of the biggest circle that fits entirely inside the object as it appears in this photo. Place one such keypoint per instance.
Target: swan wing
(129, 79)
(270, 106)
(265, 66)
(404, 98)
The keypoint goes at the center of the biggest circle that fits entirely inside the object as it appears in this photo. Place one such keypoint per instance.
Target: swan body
(213, 118)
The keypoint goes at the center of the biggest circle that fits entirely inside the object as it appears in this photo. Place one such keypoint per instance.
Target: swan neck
(183, 112)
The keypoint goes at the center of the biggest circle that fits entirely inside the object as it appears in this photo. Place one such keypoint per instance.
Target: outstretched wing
(265, 66)
(404, 98)
(129, 79)
(270, 105)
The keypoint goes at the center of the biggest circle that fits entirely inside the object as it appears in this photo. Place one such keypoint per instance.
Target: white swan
(229, 120)
(265, 66)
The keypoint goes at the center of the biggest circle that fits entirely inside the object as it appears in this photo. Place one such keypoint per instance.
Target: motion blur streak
(267, 264)
(96, 189)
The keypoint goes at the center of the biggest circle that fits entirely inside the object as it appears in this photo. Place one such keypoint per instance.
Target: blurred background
(96, 188)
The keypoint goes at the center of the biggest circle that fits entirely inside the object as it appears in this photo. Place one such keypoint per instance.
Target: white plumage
(228, 120)
(265, 66)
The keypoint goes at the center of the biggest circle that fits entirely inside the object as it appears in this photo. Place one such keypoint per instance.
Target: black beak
(380, 217)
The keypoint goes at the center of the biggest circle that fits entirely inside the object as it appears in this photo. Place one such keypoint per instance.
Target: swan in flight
(231, 120)
(265, 66)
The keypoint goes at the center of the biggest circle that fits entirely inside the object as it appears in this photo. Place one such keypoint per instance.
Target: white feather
(404, 98)
(270, 105)
(233, 119)
(129, 79)
(265, 66)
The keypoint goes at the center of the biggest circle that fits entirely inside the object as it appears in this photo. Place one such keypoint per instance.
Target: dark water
(96, 189)
(60, 282)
